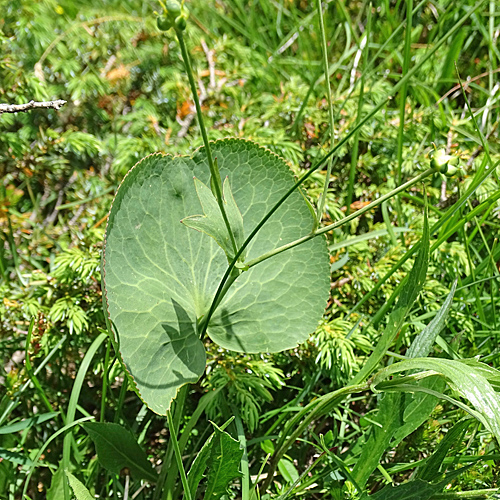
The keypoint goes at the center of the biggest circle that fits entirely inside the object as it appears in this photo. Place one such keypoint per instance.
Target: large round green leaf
(160, 276)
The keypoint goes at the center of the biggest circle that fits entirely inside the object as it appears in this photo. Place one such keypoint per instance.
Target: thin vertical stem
(322, 200)
(105, 376)
(168, 475)
(245, 478)
(178, 457)
(364, 47)
(214, 170)
(402, 103)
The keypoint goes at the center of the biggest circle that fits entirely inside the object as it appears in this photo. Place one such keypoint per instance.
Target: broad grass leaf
(117, 449)
(465, 378)
(160, 276)
(27, 423)
(79, 490)
(15, 457)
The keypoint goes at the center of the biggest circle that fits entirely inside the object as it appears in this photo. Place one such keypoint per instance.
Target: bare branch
(16, 108)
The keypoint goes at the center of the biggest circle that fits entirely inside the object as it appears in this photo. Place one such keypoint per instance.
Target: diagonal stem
(341, 222)
(217, 297)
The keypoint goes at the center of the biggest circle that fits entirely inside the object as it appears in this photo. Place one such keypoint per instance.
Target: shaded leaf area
(117, 449)
(56, 490)
(160, 276)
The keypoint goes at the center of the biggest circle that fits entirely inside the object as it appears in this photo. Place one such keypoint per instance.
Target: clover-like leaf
(160, 276)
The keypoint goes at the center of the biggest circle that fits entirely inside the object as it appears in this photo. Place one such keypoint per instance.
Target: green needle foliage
(274, 357)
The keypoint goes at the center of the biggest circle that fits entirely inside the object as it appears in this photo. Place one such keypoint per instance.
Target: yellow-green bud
(445, 164)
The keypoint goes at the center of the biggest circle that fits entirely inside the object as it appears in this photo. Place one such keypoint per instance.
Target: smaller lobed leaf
(212, 222)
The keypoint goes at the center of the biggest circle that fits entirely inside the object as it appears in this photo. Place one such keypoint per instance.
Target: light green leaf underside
(212, 222)
(160, 276)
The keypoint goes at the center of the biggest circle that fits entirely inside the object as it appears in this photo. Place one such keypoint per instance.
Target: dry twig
(16, 108)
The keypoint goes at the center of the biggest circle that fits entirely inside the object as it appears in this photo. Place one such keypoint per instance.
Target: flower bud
(173, 9)
(445, 164)
(163, 23)
(181, 23)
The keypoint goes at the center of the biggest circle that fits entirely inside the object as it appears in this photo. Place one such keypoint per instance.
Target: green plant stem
(245, 478)
(402, 104)
(105, 376)
(214, 170)
(73, 401)
(355, 149)
(169, 470)
(480, 177)
(178, 457)
(341, 222)
(388, 225)
(466, 495)
(322, 200)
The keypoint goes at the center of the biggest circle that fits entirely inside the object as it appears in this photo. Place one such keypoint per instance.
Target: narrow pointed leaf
(234, 215)
(424, 341)
(212, 222)
(431, 470)
(389, 418)
(15, 457)
(420, 405)
(199, 465)
(27, 423)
